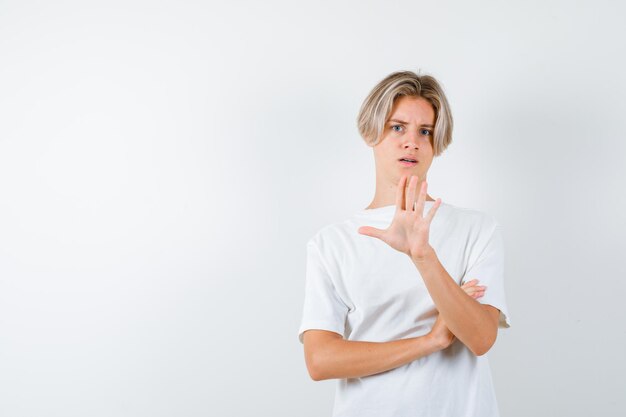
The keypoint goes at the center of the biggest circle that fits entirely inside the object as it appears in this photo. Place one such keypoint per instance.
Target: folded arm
(328, 355)
(473, 323)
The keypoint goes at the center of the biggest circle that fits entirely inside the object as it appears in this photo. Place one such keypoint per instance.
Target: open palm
(409, 229)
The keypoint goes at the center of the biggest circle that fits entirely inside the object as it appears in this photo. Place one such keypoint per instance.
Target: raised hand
(409, 229)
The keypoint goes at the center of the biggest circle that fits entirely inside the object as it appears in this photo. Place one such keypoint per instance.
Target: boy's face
(408, 133)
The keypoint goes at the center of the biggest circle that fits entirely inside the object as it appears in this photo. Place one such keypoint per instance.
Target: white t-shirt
(362, 288)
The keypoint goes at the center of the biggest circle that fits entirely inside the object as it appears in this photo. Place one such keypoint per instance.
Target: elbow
(480, 351)
(484, 345)
(317, 374)
(319, 352)
(315, 368)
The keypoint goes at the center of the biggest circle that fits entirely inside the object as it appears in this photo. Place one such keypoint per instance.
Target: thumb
(371, 231)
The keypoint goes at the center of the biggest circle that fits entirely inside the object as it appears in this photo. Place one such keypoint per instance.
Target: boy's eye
(398, 128)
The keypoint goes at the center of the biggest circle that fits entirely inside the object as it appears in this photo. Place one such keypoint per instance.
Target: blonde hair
(377, 106)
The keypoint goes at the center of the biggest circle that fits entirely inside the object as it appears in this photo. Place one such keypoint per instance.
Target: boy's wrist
(424, 256)
(432, 343)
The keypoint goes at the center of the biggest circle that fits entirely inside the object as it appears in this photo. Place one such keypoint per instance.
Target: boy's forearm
(464, 316)
(342, 358)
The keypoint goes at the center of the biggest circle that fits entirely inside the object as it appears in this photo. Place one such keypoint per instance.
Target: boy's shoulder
(471, 215)
(332, 232)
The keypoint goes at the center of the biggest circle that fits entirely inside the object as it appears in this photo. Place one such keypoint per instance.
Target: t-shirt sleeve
(323, 308)
(488, 269)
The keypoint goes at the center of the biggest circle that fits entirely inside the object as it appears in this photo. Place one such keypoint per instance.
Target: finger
(474, 292)
(421, 198)
(400, 192)
(433, 210)
(371, 231)
(410, 195)
(474, 287)
(471, 282)
(470, 288)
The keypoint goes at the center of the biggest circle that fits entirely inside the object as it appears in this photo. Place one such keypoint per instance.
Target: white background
(162, 164)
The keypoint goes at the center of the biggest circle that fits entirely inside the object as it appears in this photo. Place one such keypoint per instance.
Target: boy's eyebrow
(404, 123)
